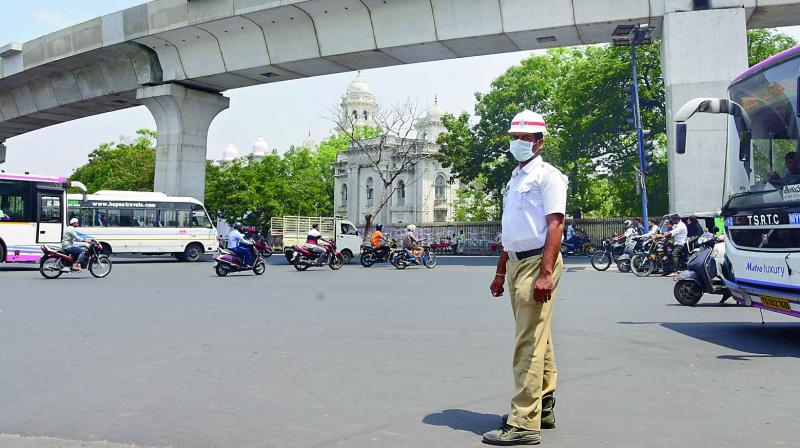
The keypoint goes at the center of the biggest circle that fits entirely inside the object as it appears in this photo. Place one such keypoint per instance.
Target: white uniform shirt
(653, 230)
(679, 233)
(536, 190)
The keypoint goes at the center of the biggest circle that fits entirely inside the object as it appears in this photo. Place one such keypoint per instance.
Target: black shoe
(509, 435)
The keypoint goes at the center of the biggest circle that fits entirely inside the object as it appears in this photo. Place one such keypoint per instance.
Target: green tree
(121, 166)
(473, 204)
(764, 43)
(581, 92)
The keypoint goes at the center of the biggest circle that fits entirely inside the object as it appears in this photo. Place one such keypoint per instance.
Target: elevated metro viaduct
(176, 56)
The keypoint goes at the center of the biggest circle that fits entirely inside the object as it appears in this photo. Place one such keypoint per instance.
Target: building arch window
(440, 188)
(355, 115)
(370, 192)
(401, 193)
(366, 115)
(344, 194)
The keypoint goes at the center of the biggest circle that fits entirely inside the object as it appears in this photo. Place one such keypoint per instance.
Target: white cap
(528, 122)
(73, 221)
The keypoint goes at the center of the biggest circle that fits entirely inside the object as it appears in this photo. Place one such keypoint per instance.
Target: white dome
(435, 112)
(309, 142)
(359, 85)
(260, 147)
(230, 153)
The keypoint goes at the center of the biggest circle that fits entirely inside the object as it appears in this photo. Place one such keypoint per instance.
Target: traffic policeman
(534, 205)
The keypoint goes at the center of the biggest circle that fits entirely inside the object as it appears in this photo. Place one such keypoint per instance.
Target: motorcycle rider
(240, 245)
(68, 244)
(379, 242)
(679, 234)
(312, 242)
(630, 230)
(410, 241)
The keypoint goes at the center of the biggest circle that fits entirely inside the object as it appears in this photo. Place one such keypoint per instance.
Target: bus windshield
(772, 176)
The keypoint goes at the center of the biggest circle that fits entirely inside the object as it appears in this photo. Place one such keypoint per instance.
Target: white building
(424, 193)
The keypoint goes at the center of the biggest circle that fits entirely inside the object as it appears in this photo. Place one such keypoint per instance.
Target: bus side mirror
(680, 138)
(744, 145)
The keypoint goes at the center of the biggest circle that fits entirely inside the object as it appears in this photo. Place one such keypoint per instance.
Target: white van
(286, 231)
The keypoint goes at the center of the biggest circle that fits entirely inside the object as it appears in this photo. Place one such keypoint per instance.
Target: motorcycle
(228, 262)
(260, 242)
(580, 244)
(703, 273)
(56, 262)
(370, 255)
(609, 252)
(405, 258)
(633, 245)
(303, 258)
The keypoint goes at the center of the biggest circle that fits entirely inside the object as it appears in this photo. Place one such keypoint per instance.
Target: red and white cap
(528, 122)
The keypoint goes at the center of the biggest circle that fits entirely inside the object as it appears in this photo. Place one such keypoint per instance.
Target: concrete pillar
(182, 117)
(702, 51)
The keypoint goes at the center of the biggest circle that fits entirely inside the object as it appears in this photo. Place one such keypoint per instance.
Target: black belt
(518, 256)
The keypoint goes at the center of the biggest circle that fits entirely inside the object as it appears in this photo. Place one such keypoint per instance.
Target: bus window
(16, 201)
(200, 218)
(184, 218)
(113, 217)
(86, 217)
(167, 218)
(144, 218)
(125, 217)
(50, 209)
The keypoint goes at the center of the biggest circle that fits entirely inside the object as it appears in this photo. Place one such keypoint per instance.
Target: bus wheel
(2, 253)
(193, 252)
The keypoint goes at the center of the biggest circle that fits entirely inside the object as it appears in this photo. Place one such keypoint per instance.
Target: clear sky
(283, 113)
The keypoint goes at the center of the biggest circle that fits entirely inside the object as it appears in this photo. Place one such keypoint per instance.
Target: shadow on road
(463, 420)
(754, 340)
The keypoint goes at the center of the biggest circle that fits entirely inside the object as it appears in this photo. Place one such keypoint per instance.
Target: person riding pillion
(71, 237)
(239, 245)
(534, 206)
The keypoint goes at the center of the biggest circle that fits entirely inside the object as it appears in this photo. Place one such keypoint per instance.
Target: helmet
(627, 223)
(379, 227)
(73, 221)
(238, 226)
(411, 227)
(528, 122)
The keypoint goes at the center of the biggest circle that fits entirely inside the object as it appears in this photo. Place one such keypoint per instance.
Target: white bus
(31, 214)
(145, 223)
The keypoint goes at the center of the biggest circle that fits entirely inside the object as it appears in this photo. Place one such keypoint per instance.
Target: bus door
(50, 216)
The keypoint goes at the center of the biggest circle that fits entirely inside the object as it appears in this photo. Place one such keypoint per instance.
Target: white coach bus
(144, 223)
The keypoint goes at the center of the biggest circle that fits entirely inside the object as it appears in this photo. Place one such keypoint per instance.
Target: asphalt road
(165, 354)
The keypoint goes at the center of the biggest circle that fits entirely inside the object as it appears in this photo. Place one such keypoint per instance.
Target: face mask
(521, 150)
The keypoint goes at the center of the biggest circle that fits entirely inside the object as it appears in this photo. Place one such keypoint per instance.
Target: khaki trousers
(534, 359)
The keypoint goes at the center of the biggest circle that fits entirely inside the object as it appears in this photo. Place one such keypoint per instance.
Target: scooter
(303, 258)
(228, 262)
(633, 245)
(703, 273)
(580, 244)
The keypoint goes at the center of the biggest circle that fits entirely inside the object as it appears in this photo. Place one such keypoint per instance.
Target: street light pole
(638, 35)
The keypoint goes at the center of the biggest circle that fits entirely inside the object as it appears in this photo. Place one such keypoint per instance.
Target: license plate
(776, 303)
